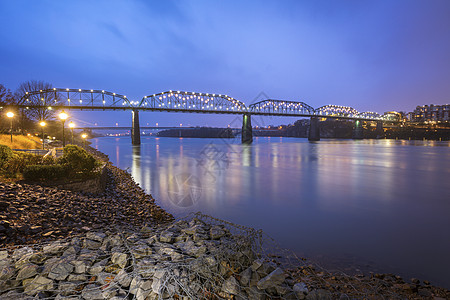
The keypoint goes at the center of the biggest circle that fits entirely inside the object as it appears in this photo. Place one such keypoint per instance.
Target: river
(369, 205)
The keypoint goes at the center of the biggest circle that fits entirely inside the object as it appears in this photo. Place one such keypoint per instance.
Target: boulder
(275, 278)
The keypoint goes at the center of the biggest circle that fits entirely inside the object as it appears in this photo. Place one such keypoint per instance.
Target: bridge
(193, 102)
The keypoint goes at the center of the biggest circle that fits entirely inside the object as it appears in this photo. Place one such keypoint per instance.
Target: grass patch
(21, 141)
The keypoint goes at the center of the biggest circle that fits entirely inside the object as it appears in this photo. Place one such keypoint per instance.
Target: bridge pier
(379, 131)
(358, 130)
(314, 129)
(135, 128)
(247, 134)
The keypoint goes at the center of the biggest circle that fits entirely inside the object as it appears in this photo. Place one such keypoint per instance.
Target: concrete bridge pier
(135, 128)
(379, 130)
(247, 134)
(314, 129)
(358, 130)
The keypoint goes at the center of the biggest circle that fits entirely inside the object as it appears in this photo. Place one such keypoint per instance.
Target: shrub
(19, 161)
(5, 155)
(45, 172)
(80, 163)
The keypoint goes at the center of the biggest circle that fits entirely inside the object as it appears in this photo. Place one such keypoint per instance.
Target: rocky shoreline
(58, 244)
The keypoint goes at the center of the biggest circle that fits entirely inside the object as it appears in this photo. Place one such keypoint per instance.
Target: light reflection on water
(384, 201)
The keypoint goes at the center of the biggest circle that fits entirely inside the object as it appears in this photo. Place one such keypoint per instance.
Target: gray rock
(255, 294)
(49, 264)
(216, 232)
(14, 295)
(92, 292)
(35, 285)
(134, 285)
(77, 277)
(119, 259)
(167, 237)
(72, 250)
(66, 288)
(81, 266)
(257, 264)
(27, 271)
(18, 253)
(61, 270)
(246, 275)
(142, 250)
(6, 272)
(3, 255)
(95, 236)
(123, 278)
(300, 288)
(145, 289)
(231, 286)
(91, 244)
(98, 267)
(54, 248)
(105, 278)
(276, 277)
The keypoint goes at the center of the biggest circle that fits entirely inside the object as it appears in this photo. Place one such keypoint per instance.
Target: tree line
(27, 118)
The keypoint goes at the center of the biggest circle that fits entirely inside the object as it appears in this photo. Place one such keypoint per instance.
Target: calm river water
(380, 205)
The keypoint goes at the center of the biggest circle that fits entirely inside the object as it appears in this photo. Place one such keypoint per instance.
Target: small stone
(119, 259)
(166, 237)
(33, 286)
(61, 271)
(231, 286)
(123, 278)
(98, 267)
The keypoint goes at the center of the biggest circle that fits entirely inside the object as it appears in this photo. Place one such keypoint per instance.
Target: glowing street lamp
(10, 115)
(42, 123)
(84, 136)
(72, 125)
(63, 116)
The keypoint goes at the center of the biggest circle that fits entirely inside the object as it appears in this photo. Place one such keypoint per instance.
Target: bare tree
(5, 95)
(41, 101)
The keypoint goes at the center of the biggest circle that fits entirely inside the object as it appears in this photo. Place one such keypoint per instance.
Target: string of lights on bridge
(183, 101)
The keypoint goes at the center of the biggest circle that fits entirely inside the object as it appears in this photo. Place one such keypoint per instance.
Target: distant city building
(431, 113)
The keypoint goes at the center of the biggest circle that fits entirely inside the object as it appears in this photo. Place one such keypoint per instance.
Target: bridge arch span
(192, 101)
(272, 106)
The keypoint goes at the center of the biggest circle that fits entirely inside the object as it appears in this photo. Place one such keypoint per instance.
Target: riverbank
(66, 227)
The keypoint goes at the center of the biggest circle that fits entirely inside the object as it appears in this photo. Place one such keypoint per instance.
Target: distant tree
(43, 101)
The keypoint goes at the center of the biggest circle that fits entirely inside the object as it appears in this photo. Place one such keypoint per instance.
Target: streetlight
(42, 123)
(63, 116)
(72, 125)
(84, 136)
(10, 115)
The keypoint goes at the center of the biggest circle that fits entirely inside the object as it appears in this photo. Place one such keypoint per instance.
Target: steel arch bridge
(190, 102)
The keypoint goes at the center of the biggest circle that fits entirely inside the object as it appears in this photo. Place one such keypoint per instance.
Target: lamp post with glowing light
(10, 115)
(84, 136)
(63, 116)
(42, 123)
(72, 125)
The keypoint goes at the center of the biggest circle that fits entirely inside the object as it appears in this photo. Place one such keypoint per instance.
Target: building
(427, 113)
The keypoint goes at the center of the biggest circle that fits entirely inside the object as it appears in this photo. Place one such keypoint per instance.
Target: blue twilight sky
(374, 55)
